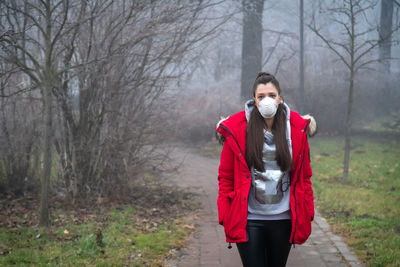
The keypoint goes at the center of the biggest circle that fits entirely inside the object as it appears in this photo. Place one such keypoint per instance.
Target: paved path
(207, 246)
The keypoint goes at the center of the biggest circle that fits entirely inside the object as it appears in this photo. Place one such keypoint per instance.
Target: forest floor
(143, 229)
(172, 220)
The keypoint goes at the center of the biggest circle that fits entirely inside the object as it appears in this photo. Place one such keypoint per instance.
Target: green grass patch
(365, 210)
(160, 242)
(113, 238)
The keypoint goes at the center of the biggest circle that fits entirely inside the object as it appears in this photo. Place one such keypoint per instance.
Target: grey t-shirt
(269, 194)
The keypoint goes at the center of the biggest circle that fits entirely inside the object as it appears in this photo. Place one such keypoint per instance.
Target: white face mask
(267, 107)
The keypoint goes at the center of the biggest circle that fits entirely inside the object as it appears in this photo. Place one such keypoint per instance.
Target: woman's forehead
(266, 89)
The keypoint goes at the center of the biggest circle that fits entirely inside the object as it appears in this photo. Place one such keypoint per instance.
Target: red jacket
(234, 180)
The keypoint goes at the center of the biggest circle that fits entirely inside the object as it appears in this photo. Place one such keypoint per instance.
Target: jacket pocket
(232, 219)
(303, 221)
(224, 203)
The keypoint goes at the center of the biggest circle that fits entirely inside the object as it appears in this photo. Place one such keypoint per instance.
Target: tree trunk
(385, 34)
(251, 44)
(301, 80)
(44, 196)
(47, 102)
(347, 135)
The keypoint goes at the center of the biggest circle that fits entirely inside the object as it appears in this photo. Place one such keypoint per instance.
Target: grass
(123, 241)
(365, 211)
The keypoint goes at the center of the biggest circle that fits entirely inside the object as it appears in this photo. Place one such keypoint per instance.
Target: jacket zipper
(295, 211)
(294, 186)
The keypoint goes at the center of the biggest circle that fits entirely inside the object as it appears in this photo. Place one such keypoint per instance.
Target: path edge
(337, 241)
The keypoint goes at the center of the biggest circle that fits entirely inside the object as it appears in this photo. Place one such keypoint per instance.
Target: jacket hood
(249, 106)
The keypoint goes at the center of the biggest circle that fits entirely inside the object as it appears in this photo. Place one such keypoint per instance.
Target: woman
(265, 199)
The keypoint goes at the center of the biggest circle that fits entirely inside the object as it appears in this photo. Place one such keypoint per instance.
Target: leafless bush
(110, 67)
(19, 141)
(200, 110)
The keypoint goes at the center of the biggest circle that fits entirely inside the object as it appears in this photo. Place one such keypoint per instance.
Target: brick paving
(207, 246)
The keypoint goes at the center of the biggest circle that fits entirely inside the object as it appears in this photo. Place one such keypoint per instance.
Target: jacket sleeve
(307, 172)
(225, 180)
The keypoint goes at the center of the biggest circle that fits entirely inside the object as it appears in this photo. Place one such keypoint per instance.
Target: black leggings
(267, 245)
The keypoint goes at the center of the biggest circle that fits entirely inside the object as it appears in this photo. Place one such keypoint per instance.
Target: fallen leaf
(189, 226)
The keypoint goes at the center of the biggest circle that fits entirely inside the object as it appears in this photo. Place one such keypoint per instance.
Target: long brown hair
(255, 131)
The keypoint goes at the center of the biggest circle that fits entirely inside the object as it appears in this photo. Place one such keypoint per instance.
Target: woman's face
(267, 90)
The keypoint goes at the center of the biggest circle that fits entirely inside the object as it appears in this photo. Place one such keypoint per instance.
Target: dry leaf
(189, 226)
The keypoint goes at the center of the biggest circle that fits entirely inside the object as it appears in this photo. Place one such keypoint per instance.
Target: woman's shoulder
(233, 120)
(304, 122)
(231, 123)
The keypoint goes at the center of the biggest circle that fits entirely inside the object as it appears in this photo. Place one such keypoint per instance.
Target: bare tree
(36, 29)
(107, 66)
(355, 49)
(251, 43)
(280, 52)
(119, 129)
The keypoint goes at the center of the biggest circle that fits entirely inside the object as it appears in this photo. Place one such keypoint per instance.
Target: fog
(212, 87)
(109, 87)
(101, 101)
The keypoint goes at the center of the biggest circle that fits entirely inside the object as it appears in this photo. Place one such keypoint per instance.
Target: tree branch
(329, 44)
(19, 91)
